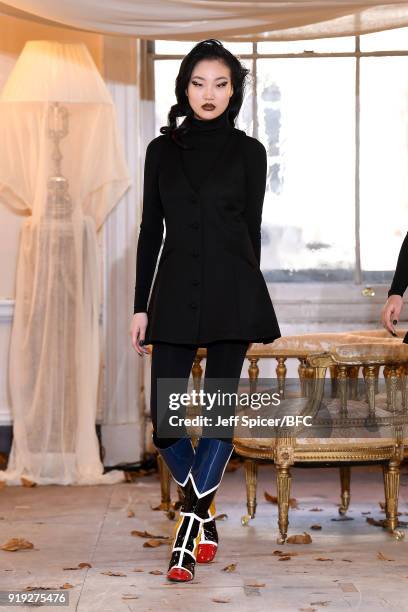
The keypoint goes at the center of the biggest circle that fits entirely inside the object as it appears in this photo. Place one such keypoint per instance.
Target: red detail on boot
(178, 574)
(206, 552)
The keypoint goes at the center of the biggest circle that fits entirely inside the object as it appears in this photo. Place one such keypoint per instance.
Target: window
(333, 116)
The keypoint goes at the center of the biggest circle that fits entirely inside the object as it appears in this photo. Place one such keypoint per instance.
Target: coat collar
(216, 166)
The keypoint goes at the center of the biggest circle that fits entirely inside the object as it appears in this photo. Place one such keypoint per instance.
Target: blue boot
(211, 459)
(178, 457)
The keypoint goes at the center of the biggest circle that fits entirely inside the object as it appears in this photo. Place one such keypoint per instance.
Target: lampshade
(48, 70)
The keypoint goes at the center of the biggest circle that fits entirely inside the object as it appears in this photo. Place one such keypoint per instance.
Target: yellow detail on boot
(211, 509)
(196, 542)
(180, 518)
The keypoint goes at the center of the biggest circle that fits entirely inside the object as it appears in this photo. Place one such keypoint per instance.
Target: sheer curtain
(62, 165)
(225, 19)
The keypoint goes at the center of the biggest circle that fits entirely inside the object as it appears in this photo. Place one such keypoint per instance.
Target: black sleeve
(151, 228)
(256, 167)
(400, 280)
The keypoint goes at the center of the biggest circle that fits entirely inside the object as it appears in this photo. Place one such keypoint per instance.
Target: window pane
(245, 117)
(384, 160)
(164, 81)
(306, 122)
(389, 40)
(338, 43)
(182, 47)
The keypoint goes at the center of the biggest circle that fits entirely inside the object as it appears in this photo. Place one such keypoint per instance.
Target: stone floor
(350, 565)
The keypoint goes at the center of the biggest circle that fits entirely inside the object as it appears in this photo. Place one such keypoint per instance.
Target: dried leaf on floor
(383, 557)
(368, 512)
(317, 527)
(230, 568)
(285, 558)
(159, 507)
(155, 543)
(79, 566)
(323, 559)
(16, 544)
(221, 517)
(156, 572)
(280, 553)
(40, 588)
(372, 521)
(221, 599)
(66, 585)
(320, 603)
(110, 573)
(316, 509)
(27, 483)
(146, 534)
(255, 584)
(129, 596)
(138, 569)
(300, 538)
(130, 513)
(293, 503)
(348, 560)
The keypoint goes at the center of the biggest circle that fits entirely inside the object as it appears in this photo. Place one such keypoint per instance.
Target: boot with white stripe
(211, 459)
(208, 544)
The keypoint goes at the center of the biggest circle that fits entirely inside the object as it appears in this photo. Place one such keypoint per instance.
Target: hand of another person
(137, 332)
(391, 311)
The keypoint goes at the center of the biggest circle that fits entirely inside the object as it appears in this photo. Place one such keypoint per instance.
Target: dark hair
(210, 49)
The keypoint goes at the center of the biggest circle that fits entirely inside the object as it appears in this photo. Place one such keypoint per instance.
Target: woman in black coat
(391, 311)
(206, 179)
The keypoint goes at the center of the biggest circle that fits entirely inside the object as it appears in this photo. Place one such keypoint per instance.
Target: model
(206, 180)
(391, 311)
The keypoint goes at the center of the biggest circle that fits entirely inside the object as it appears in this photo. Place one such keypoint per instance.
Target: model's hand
(391, 312)
(137, 332)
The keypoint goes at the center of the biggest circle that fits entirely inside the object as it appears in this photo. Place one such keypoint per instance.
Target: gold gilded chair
(381, 438)
(297, 347)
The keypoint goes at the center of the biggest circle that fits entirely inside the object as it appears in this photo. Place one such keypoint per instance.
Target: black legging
(224, 361)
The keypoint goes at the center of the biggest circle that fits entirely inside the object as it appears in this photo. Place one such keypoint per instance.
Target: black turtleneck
(205, 139)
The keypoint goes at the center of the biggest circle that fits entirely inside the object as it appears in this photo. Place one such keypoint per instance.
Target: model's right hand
(391, 312)
(137, 332)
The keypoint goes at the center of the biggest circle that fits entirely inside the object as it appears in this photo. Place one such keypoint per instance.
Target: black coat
(208, 284)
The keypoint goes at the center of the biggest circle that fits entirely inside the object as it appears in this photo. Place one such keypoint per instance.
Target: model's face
(209, 89)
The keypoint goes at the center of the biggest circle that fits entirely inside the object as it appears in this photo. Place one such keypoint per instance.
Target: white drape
(63, 166)
(225, 19)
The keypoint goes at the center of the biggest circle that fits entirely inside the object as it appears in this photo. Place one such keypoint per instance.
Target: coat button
(193, 305)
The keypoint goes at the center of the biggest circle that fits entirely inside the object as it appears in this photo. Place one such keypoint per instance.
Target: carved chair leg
(281, 371)
(345, 474)
(391, 473)
(283, 479)
(165, 478)
(251, 475)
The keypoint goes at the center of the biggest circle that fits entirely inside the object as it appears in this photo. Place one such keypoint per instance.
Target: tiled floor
(71, 525)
